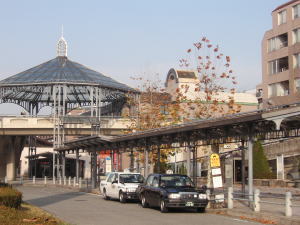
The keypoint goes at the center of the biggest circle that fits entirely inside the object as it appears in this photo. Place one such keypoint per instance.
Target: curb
(264, 218)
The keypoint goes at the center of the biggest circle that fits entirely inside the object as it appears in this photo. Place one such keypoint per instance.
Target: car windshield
(176, 181)
(131, 178)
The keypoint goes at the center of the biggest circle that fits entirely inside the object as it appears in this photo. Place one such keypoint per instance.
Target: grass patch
(27, 215)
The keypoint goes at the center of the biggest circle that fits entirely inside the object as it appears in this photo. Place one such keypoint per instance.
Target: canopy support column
(77, 165)
(94, 168)
(146, 161)
(250, 167)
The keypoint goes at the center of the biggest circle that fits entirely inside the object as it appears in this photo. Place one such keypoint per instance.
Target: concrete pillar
(229, 171)
(280, 166)
(77, 164)
(229, 199)
(250, 167)
(11, 163)
(256, 206)
(288, 204)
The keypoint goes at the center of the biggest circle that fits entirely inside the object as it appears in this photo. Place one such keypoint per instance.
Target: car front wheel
(163, 207)
(144, 202)
(122, 197)
(105, 195)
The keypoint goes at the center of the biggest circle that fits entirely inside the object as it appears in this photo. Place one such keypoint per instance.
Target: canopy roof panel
(63, 70)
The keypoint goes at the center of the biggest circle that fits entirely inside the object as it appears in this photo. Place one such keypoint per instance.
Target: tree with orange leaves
(213, 95)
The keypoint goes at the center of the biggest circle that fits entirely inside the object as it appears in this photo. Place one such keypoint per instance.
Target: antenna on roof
(62, 45)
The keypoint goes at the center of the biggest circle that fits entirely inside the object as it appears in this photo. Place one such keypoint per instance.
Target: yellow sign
(214, 160)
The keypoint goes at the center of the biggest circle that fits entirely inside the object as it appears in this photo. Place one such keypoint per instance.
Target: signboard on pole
(214, 160)
(216, 172)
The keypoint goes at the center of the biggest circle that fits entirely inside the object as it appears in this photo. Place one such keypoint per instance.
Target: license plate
(189, 204)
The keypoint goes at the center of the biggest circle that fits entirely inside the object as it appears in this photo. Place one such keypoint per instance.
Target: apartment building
(281, 58)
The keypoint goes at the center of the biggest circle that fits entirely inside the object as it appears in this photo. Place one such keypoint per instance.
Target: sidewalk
(269, 213)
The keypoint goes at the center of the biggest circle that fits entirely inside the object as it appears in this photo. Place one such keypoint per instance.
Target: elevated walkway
(43, 125)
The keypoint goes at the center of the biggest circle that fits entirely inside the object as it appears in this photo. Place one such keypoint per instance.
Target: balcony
(279, 89)
(278, 42)
(278, 65)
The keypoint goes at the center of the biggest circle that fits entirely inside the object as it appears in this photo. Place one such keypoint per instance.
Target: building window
(297, 84)
(296, 60)
(282, 17)
(278, 65)
(278, 42)
(279, 89)
(296, 35)
(296, 11)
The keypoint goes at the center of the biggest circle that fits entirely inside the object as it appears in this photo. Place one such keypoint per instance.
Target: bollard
(59, 180)
(54, 180)
(256, 205)
(69, 181)
(288, 204)
(65, 180)
(21, 180)
(74, 182)
(230, 198)
(33, 179)
(80, 181)
(208, 198)
(5, 180)
(45, 180)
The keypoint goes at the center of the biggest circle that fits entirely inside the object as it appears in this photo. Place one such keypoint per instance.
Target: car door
(114, 186)
(109, 184)
(147, 187)
(155, 192)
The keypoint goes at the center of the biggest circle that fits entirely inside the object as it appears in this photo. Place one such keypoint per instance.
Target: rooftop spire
(62, 45)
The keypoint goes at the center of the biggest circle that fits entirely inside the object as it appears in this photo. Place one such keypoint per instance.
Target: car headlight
(202, 196)
(174, 196)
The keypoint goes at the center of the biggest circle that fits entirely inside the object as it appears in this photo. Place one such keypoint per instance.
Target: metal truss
(63, 98)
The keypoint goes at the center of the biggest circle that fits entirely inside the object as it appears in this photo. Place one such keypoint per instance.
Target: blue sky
(133, 37)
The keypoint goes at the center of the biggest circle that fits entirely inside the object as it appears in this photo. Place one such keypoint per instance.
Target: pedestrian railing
(256, 201)
(58, 181)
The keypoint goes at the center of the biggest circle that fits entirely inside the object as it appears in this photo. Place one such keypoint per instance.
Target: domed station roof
(61, 80)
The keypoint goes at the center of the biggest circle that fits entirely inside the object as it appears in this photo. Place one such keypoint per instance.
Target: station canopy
(61, 81)
(62, 70)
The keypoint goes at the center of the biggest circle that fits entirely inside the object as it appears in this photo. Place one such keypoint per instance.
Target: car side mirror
(114, 182)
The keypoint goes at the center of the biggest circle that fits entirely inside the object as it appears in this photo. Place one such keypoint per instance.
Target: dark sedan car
(171, 191)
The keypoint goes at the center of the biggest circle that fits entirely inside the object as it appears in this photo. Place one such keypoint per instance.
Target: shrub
(261, 167)
(10, 197)
(4, 185)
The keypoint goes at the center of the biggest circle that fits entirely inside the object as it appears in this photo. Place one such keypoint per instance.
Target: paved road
(89, 209)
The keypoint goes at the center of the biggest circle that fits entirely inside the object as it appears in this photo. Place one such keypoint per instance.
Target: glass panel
(297, 84)
(296, 10)
(282, 17)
